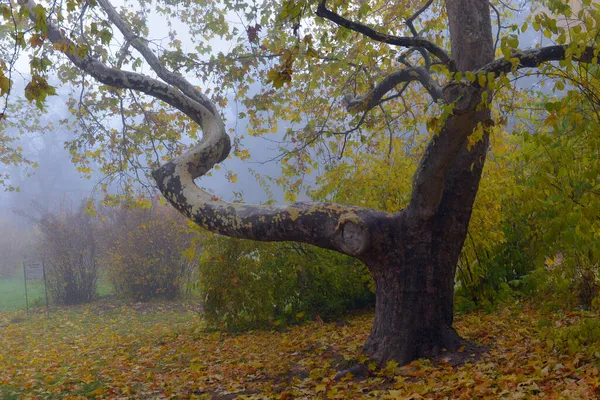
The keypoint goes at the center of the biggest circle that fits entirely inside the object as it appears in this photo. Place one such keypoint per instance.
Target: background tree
(324, 53)
(15, 241)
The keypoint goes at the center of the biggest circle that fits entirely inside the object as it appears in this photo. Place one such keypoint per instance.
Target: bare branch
(410, 23)
(122, 79)
(536, 57)
(499, 22)
(404, 41)
(374, 97)
(162, 72)
(420, 11)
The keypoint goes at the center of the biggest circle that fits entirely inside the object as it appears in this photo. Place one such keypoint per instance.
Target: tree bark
(415, 280)
(414, 288)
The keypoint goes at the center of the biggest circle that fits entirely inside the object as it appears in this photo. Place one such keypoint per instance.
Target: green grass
(12, 293)
(104, 287)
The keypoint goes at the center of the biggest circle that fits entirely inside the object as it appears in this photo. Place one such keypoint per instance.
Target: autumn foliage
(108, 351)
(148, 251)
(349, 106)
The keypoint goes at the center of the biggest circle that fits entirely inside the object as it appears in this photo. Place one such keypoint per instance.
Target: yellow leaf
(481, 78)
(320, 388)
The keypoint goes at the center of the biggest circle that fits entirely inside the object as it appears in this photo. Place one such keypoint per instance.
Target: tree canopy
(279, 67)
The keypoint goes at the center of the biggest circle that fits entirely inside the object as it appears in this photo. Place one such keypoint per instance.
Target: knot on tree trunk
(353, 234)
(465, 97)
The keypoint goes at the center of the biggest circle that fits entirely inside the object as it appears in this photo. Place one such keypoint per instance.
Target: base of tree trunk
(458, 352)
(408, 345)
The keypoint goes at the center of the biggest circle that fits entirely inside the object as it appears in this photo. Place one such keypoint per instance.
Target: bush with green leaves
(248, 284)
(148, 252)
(489, 272)
(582, 337)
(559, 194)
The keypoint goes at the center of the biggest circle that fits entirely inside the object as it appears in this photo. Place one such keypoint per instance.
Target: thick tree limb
(122, 79)
(428, 182)
(346, 229)
(404, 41)
(162, 72)
(536, 57)
(447, 152)
(374, 97)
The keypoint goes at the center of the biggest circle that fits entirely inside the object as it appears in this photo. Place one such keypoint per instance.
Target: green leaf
(470, 76)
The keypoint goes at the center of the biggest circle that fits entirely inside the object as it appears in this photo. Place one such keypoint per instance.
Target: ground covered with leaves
(164, 351)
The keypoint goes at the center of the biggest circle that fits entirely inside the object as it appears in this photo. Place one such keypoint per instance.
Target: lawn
(12, 292)
(162, 350)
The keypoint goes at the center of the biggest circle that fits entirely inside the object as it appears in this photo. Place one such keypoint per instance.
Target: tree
(412, 253)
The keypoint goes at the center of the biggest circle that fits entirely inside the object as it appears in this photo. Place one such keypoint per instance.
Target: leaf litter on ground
(165, 351)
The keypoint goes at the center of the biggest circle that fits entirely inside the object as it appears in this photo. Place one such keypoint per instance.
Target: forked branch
(403, 41)
(373, 98)
(410, 23)
(428, 182)
(429, 179)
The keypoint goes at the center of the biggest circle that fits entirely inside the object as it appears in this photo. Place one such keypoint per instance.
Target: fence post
(25, 280)
(45, 287)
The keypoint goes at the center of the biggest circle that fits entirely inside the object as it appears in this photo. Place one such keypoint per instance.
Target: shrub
(568, 280)
(145, 251)
(488, 274)
(69, 246)
(582, 336)
(249, 284)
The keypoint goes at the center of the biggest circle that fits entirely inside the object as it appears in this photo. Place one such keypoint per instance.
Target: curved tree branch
(346, 229)
(162, 72)
(498, 22)
(374, 97)
(404, 41)
(420, 11)
(122, 79)
(536, 57)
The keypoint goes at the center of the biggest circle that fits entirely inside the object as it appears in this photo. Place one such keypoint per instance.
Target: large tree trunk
(414, 290)
(414, 274)
(414, 277)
